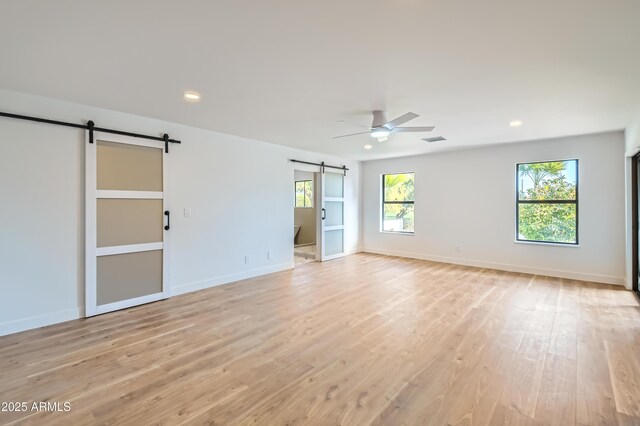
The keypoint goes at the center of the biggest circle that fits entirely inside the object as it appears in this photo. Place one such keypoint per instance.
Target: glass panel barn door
(126, 224)
(331, 235)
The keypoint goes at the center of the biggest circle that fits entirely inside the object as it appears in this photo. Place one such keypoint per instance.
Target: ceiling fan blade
(352, 134)
(401, 120)
(412, 129)
(362, 126)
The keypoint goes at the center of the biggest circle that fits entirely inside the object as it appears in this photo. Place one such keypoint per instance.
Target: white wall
(240, 193)
(302, 175)
(632, 137)
(466, 199)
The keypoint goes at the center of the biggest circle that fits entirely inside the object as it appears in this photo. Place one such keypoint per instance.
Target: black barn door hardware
(90, 126)
(168, 225)
(321, 165)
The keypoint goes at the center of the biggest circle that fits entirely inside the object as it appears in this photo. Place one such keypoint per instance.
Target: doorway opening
(635, 207)
(304, 217)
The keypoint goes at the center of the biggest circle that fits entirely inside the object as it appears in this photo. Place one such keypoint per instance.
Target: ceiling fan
(381, 128)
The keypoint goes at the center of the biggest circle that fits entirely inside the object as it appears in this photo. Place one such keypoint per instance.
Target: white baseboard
(606, 279)
(226, 279)
(37, 321)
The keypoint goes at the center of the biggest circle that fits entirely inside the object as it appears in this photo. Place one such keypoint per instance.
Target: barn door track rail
(91, 127)
(321, 165)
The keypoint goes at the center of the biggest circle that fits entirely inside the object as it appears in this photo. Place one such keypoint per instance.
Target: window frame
(575, 201)
(295, 182)
(382, 230)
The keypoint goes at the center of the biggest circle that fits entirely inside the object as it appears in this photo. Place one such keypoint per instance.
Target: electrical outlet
(458, 249)
(187, 212)
(268, 255)
(246, 259)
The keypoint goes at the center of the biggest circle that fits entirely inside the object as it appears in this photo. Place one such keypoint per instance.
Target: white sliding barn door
(126, 223)
(331, 216)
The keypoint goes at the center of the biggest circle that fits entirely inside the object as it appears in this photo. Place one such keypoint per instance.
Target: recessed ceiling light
(515, 123)
(368, 146)
(192, 96)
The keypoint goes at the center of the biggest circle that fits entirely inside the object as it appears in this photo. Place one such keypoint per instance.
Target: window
(304, 193)
(397, 203)
(547, 202)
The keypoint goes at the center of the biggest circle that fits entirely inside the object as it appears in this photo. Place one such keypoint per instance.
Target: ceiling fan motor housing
(379, 119)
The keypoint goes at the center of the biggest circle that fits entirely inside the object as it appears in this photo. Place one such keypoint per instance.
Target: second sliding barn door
(330, 234)
(127, 224)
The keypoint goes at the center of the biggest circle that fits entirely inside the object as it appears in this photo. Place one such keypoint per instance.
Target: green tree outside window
(398, 210)
(304, 193)
(547, 202)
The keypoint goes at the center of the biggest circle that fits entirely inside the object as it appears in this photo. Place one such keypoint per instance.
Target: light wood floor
(366, 339)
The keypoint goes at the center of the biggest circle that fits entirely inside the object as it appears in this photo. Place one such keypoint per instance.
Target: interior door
(127, 224)
(331, 223)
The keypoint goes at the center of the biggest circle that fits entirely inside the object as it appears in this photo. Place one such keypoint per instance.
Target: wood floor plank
(624, 367)
(473, 397)
(556, 404)
(365, 339)
(595, 403)
(520, 395)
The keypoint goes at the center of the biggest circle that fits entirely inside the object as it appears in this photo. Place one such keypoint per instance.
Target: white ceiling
(287, 71)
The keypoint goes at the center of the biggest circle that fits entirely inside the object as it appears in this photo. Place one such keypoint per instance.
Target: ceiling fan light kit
(380, 132)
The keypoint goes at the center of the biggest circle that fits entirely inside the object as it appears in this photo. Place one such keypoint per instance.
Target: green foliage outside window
(304, 193)
(398, 206)
(547, 202)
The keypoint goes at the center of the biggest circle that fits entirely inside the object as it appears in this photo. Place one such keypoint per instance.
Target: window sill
(539, 243)
(411, 234)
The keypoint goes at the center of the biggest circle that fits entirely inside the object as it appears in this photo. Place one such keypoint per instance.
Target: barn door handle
(324, 214)
(168, 225)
